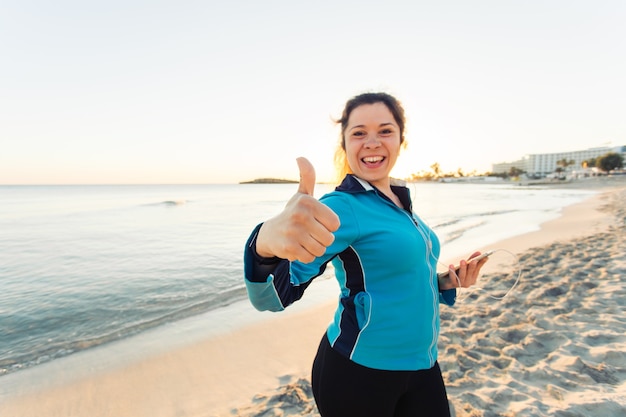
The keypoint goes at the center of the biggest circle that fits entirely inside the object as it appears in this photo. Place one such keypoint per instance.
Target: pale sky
(225, 91)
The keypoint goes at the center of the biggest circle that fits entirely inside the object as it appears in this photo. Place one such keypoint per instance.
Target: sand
(554, 346)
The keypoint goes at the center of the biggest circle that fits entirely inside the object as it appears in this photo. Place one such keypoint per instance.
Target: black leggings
(344, 388)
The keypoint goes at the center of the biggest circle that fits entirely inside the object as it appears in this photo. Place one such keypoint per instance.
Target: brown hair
(394, 106)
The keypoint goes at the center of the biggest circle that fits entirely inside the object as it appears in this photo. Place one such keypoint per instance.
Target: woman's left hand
(465, 275)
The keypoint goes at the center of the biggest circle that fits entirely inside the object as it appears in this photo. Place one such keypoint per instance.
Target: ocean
(84, 266)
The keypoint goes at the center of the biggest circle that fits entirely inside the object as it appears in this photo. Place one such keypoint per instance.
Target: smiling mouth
(373, 160)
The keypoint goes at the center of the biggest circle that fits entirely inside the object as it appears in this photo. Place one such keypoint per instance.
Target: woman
(378, 356)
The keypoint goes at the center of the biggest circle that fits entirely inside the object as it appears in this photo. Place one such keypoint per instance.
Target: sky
(173, 92)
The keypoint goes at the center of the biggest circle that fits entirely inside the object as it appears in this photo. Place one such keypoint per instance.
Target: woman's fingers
(302, 231)
(469, 271)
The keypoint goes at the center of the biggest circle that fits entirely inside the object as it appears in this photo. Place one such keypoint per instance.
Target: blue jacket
(385, 262)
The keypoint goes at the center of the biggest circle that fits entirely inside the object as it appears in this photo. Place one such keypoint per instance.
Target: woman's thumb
(307, 176)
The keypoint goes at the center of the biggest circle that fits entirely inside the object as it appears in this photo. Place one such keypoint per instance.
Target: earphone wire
(515, 257)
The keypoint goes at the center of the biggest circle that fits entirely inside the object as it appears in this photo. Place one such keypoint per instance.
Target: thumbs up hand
(303, 230)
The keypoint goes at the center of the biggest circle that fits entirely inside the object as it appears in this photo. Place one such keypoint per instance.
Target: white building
(544, 164)
(505, 167)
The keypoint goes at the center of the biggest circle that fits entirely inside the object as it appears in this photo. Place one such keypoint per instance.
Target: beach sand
(554, 346)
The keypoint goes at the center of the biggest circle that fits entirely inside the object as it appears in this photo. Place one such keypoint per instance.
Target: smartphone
(478, 258)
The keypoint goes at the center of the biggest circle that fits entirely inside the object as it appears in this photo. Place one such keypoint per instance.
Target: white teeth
(372, 159)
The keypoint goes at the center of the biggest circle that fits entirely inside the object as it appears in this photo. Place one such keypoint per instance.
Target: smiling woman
(372, 144)
(385, 109)
(378, 356)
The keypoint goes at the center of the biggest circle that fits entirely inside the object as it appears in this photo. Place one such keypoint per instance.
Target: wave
(169, 203)
(458, 233)
(58, 350)
(494, 213)
(447, 223)
(455, 228)
(173, 203)
(452, 222)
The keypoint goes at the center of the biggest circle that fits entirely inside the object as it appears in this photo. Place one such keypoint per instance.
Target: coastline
(236, 372)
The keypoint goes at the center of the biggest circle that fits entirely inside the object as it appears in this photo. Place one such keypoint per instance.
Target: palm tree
(562, 165)
(436, 168)
(610, 161)
(589, 163)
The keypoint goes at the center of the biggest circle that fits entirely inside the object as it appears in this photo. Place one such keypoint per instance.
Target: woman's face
(372, 143)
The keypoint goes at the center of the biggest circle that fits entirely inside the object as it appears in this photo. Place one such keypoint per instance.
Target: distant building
(546, 163)
(505, 167)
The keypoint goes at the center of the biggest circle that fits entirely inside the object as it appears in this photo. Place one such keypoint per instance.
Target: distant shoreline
(269, 181)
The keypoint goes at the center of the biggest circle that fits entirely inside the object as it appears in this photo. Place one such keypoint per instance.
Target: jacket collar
(352, 184)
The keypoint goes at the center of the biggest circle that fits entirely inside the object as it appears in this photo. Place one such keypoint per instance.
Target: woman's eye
(358, 133)
(386, 131)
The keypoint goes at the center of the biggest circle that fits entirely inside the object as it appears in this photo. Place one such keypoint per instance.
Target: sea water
(82, 266)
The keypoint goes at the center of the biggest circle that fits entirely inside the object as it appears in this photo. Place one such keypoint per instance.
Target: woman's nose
(372, 142)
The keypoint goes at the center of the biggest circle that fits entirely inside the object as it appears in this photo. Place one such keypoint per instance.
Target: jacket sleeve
(447, 297)
(273, 283)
